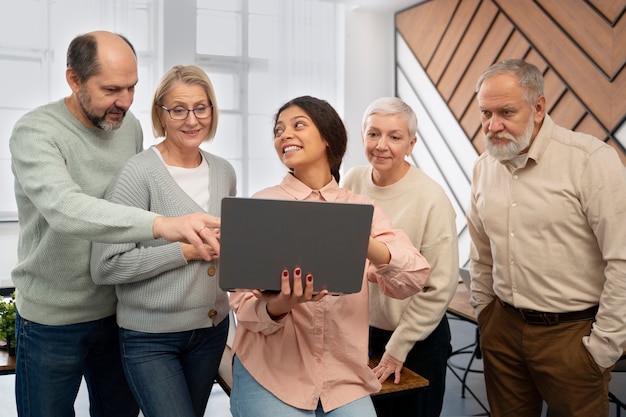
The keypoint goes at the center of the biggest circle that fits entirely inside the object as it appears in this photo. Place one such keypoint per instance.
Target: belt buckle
(550, 319)
(531, 316)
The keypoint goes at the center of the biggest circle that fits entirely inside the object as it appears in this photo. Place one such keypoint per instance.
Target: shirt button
(212, 313)
(211, 271)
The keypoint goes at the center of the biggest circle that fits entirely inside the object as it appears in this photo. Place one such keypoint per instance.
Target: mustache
(499, 135)
(115, 109)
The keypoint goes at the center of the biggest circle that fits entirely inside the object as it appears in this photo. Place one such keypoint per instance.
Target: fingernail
(285, 273)
(309, 277)
(297, 271)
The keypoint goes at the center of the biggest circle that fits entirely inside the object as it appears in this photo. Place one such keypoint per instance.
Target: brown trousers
(526, 364)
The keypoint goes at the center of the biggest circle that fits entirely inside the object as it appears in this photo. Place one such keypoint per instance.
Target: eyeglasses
(181, 113)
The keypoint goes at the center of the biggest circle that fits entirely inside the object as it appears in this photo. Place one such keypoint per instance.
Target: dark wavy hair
(82, 56)
(328, 123)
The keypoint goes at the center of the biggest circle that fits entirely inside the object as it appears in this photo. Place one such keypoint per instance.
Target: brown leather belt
(551, 319)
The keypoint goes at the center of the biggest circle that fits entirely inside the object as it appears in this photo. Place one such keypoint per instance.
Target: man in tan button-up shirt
(547, 221)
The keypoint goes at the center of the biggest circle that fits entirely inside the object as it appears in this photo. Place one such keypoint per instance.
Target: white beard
(513, 147)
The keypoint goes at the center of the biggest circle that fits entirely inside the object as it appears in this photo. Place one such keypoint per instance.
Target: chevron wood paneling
(580, 45)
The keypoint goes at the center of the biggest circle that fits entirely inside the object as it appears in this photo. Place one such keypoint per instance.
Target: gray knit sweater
(62, 170)
(158, 290)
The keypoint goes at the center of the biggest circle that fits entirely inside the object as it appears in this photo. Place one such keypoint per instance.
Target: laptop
(260, 238)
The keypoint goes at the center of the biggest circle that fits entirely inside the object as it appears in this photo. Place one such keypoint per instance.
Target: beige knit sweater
(419, 206)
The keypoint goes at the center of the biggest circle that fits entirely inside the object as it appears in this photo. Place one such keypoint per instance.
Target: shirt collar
(539, 145)
(301, 191)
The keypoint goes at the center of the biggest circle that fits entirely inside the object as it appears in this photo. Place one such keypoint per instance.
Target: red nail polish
(297, 271)
(309, 277)
(285, 273)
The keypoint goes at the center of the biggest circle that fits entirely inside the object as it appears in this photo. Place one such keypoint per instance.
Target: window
(258, 53)
(35, 35)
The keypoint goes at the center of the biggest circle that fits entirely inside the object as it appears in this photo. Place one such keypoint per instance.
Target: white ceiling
(380, 5)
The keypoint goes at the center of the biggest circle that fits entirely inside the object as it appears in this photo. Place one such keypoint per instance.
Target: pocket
(587, 359)
(486, 312)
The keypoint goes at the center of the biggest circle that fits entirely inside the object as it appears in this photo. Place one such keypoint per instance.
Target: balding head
(102, 73)
(87, 52)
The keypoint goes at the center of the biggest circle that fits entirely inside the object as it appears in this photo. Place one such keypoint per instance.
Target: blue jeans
(249, 399)
(171, 374)
(52, 360)
(429, 358)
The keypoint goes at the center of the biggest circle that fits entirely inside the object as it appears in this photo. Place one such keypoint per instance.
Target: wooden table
(7, 363)
(409, 380)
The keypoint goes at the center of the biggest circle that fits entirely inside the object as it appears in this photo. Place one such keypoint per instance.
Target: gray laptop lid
(260, 238)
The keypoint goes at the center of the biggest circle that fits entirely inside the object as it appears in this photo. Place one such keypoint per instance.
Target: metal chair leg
(619, 405)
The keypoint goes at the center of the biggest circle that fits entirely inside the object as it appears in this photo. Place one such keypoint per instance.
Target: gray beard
(98, 121)
(514, 146)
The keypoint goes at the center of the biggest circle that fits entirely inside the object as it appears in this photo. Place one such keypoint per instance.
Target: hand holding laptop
(281, 303)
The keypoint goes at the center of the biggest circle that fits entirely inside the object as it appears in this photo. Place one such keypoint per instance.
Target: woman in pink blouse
(299, 353)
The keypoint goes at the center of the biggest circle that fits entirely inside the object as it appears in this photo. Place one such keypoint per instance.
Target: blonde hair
(186, 74)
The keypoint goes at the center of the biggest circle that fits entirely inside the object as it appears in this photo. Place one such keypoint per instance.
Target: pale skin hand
(191, 254)
(388, 365)
(197, 229)
(278, 305)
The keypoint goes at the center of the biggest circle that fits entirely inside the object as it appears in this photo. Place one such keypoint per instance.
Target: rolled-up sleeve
(407, 271)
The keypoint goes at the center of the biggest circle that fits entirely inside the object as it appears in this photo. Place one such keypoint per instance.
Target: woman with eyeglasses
(172, 314)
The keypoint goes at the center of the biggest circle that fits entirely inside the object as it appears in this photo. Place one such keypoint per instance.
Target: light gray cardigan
(158, 290)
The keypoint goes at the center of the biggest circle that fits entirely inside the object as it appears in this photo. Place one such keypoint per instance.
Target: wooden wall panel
(471, 119)
(433, 21)
(619, 46)
(516, 45)
(450, 39)
(590, 125)
(611, 9)
(487, 51)
(553, 89)
(568, 111)
(473, 37)
(535, 58)
(588, 30)
(580, 47)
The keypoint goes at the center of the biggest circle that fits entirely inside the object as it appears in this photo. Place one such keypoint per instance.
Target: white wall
(369, 71)
(8, 251)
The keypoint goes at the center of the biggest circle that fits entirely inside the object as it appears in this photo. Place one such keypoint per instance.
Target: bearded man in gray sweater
(65, 155)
